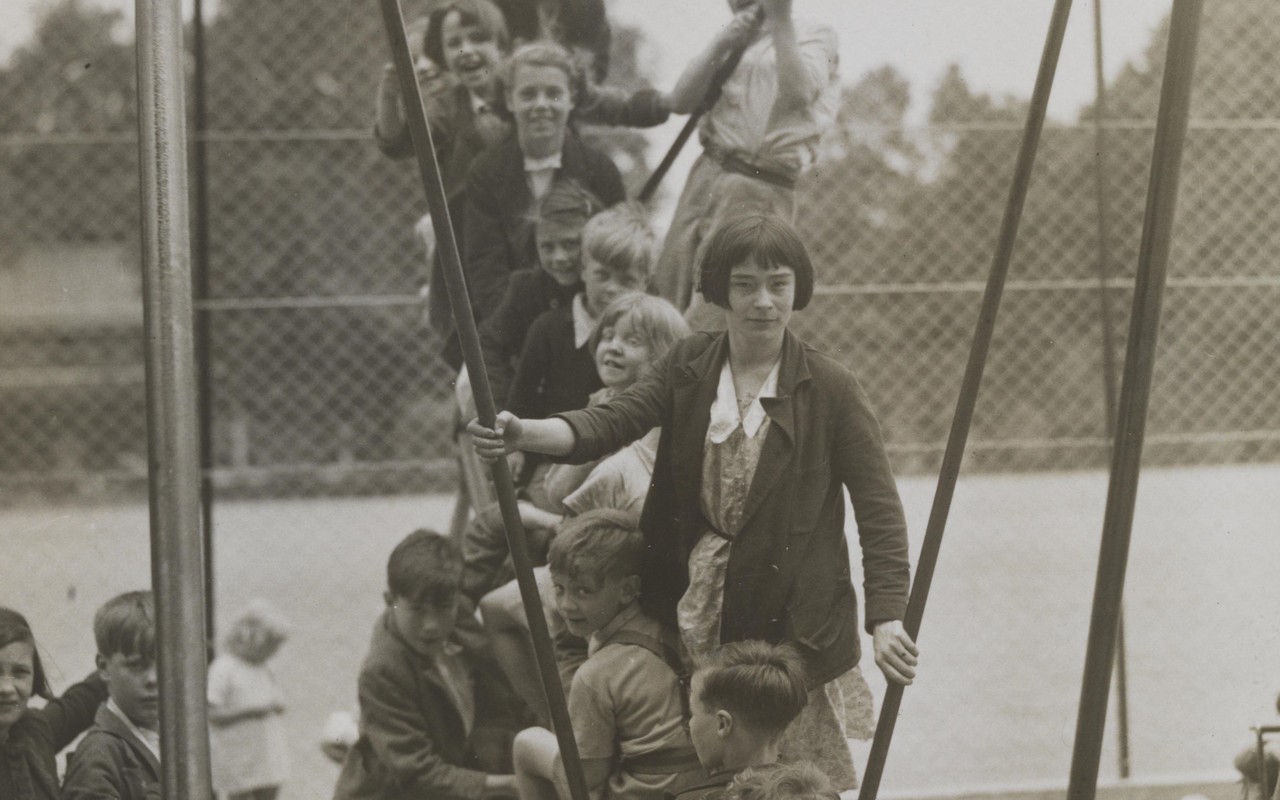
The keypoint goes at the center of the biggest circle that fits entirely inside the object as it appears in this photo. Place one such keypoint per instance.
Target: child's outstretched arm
(693, 83)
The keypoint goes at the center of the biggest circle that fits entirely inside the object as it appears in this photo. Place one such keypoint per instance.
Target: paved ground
(1003, 639)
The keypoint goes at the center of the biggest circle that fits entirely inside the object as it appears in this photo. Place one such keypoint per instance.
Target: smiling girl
(31, 738)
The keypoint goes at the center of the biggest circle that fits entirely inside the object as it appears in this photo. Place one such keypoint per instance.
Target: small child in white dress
(247, 741)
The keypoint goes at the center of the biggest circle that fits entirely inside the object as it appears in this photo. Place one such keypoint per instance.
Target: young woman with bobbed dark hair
(744, 522)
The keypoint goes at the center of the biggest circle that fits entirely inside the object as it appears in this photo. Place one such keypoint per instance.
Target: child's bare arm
(795, 89)
(220, 717)
(693, 83)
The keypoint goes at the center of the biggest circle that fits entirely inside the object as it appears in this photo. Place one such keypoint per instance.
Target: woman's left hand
(896, 654)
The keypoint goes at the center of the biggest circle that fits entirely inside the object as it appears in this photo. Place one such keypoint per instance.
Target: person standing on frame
(758, 137)
(744, 520)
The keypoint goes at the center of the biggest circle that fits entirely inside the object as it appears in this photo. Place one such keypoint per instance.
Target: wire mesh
(325, 379)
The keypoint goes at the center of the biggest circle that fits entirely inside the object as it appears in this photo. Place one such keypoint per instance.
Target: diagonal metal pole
(708, 100)
(177, 568)
(968, 399)
(455, 281)
(1108, 349)
(1135, 392)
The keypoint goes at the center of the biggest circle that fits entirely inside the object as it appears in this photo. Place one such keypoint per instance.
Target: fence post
(177, 569)
(1135, 392)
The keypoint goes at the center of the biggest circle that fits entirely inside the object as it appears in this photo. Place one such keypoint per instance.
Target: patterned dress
(836, 710)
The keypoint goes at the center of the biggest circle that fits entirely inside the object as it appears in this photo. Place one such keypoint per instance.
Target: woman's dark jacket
(788, 576)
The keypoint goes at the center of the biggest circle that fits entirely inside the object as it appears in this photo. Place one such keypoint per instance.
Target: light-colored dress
(250, 753)
(735, 436)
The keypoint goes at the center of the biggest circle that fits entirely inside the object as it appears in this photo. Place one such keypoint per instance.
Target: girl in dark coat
(744, 523)
(31, 738)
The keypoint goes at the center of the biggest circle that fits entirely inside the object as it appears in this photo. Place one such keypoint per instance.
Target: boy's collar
(601, 637)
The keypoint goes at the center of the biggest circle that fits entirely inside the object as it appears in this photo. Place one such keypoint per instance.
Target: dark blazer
(497, 233)
(529, 293)
(28, 769)
(788, 576)
(111, 762)
(413, 743)
(552, 375)
(458, 141)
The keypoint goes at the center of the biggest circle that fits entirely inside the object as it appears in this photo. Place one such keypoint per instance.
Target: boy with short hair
(557, 370)
(120, 755)
(625, 700)
(741, 699)
(417, 700)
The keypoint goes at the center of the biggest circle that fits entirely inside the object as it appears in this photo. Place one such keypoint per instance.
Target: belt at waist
(736, 163)
(667, 761)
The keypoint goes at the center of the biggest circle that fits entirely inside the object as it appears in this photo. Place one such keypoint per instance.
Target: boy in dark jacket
(417, 699)
(120, 755)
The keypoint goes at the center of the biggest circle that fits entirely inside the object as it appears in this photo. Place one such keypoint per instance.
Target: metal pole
(1108, 350)
(200, 206)
(968, 399)
(468, 335)
(708, 100)
(177, 568)
(1135, 392)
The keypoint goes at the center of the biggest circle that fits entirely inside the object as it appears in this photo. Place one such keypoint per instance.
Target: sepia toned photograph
(586, 399)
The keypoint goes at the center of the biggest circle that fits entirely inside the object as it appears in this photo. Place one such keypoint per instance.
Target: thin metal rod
(204, 350)
(1135, 392)
(709, 99)
(1106, 320)
(469, 337)
(954, 455)
(177, 566)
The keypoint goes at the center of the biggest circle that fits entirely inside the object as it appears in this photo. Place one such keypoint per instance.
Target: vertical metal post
(972, 382)
(1108, 349)
(204, 350)
(1135, 392)
(177, 568)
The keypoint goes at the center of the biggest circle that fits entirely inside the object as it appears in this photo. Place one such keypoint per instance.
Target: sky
(997, 43)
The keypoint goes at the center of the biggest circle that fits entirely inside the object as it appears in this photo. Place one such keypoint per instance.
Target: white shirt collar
(150, 738)
(583, 323)
(725, 417)
(541, 164)
(478, 104)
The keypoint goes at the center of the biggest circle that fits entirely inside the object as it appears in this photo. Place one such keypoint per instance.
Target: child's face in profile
(541, 100)
(424, 625)
(17, 681)
(589, 603)
(131, 681)
(601, 285)
(560, 249)
(705, 728)
(622, 354)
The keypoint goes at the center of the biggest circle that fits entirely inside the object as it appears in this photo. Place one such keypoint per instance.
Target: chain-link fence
(323, 378)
